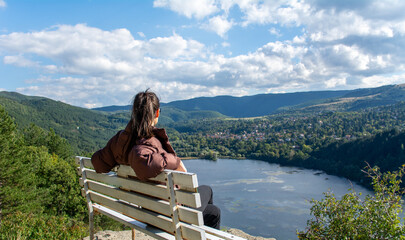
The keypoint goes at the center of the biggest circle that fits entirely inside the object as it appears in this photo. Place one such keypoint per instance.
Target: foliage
(36, 136)
(36, 184)
(335, 142)
(22, 226)
(351, 217)
(85, 130)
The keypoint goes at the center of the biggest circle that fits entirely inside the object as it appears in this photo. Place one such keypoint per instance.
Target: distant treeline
(338, 143)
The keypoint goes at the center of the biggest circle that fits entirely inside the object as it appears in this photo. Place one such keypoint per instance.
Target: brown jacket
(148, 157)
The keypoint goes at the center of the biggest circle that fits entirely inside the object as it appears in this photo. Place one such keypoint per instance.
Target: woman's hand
(181, 167)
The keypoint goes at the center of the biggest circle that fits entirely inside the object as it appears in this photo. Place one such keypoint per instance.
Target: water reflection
(265, 199)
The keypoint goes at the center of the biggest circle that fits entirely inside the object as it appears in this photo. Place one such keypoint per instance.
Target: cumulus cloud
(196, 8)
(219, 24)
(225, 44)
(323, 20)
(19, 61)
(336, 46)
(91, 51)
(275, 32)
(141, 34)
(2, 3)
(112, 65)
(174, 47)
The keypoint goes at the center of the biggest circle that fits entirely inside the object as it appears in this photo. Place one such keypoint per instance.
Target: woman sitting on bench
(148, 151)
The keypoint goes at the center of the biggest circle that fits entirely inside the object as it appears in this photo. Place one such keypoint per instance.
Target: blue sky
(97, 53)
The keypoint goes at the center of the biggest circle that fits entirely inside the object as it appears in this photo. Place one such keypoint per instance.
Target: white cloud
(335, 82)
(377, 80)
(19, 61)
(174, 47)
(225, 44)
(275, 32)
(336, 46)
(90, 51)
(112, 66)
(2, 3)
(195, 8)
(141, 34)
(219, 24)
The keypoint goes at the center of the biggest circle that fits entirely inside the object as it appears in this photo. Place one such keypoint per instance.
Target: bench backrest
(168, 201)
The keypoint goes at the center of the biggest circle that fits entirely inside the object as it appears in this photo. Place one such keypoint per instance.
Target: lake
(265, 199)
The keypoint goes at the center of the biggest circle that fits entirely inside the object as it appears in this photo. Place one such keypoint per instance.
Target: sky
(93, 53)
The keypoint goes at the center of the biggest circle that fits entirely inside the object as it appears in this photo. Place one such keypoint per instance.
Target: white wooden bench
(163, 207)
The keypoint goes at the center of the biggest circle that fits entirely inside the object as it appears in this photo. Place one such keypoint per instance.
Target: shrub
(21, 225)
(351, 217)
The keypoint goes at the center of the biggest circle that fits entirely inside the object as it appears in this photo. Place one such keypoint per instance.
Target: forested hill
(86, 130)
(385, 150)
(267, 104)
(253, 106)
(247, 106)
(79, 126)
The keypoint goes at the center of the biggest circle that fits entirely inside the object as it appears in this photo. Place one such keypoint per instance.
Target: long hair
(143, 114)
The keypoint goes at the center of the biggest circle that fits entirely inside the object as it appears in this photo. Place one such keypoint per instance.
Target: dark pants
(211, 213)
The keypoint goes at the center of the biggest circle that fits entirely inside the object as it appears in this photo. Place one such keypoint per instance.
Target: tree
(39, 191)
(375, 217)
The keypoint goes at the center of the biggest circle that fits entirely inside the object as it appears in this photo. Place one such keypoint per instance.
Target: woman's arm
(103, 160)
(149, 161)
(181, 167)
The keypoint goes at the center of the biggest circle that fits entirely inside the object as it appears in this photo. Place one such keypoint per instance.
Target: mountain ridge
(267, 104)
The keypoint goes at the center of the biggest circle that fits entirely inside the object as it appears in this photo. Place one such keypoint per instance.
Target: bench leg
(91, 225)
(133, 234)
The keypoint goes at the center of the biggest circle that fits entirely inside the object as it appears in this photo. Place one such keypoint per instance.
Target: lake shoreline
(363, 184)
(266, 199)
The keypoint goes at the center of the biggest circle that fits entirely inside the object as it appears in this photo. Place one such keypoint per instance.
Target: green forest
(39, 138)
(339, 143)
(39, 194)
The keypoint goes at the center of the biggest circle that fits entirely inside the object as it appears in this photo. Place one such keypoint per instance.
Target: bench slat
(130, 222)
(145, 204)
(221, 234)
(186, 181)
(143, 215)
(147, 188)
(86, 161)
(186, 214)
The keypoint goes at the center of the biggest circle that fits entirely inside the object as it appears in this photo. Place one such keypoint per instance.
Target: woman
(148, 151)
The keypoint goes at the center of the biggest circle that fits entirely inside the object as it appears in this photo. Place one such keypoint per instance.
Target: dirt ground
(124, 235)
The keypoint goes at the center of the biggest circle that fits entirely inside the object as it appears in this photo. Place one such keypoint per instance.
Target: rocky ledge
(122, 235)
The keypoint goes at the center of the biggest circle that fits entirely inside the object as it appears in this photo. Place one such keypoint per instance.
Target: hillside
(267, 104)
(252, 106)
(88, 128)
(315, 101)
(247, 106)
(354, 100)
(81, 126)
(385, 149)
(169, 114)
(91, 129)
